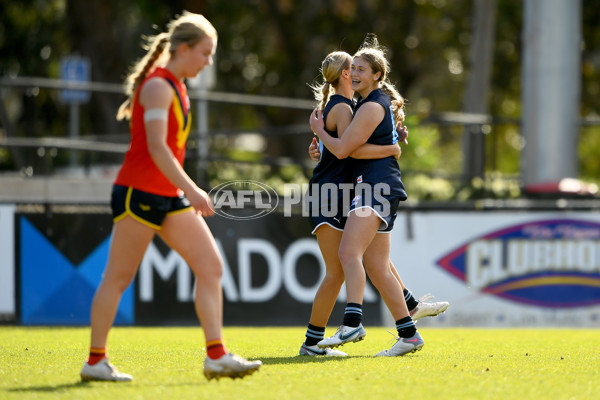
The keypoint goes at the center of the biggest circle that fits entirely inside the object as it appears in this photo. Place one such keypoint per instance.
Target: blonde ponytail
(321, 93)
(396, 98)
(331, 70)
(140, 70)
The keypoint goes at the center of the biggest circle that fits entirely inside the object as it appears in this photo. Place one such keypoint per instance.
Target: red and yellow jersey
(138, 169)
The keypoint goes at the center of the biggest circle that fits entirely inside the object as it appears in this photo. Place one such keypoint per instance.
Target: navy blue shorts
(325, 204)
(385, 206)
(336, 223)
(147, 208)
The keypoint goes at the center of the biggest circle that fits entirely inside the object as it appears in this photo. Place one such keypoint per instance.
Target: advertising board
(503, 268)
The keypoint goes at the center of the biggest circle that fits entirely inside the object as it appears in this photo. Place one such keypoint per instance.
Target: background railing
(217, 154)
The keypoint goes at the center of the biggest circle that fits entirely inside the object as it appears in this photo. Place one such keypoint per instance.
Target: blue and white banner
(272, 267)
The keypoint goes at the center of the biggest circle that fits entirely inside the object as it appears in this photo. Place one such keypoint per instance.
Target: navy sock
(411, 302)
(353, 315)
(406, 327)
(314, 334)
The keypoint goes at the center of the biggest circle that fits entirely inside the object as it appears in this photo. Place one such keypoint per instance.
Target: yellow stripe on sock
(96, 350)
(214, 342)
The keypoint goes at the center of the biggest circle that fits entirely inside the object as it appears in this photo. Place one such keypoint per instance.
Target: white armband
(155, 113)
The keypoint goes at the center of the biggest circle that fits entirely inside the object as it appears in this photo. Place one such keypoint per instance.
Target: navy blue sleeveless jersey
(329, 170)
(384, 170)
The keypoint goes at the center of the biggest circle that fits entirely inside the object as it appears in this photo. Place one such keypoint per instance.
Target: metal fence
(43, 150)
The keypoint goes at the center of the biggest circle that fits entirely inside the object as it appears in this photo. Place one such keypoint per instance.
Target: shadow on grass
(265, 361)
(80, 384)
(94, 384)
(49, 388)
(302, 359)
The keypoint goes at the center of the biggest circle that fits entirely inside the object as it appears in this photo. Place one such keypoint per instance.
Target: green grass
(44, 363)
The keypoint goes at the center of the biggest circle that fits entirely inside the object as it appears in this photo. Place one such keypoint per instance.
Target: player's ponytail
(396, 98)
(331, 70)
(140, 70)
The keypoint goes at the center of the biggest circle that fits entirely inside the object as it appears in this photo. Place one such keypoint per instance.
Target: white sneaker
(316, 351)
(403, 346)
(229, 366)
(103, 371)
(343, 335)
(424, 309)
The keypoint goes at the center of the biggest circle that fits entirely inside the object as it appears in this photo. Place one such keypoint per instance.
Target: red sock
(96, 354)
(215, 348)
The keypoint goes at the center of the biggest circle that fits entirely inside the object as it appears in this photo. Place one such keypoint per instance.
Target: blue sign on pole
(76, 69)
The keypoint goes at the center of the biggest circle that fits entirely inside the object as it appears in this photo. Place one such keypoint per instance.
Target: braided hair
(189, 28)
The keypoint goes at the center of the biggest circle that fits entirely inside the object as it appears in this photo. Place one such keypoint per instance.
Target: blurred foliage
(275, 47)
(589, 162)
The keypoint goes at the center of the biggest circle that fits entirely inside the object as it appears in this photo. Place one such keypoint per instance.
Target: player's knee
(334, 277)
(208, 269)
(347, 255)
(118, 282)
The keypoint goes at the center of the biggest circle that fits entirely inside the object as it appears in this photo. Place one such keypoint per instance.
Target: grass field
(44, 363)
